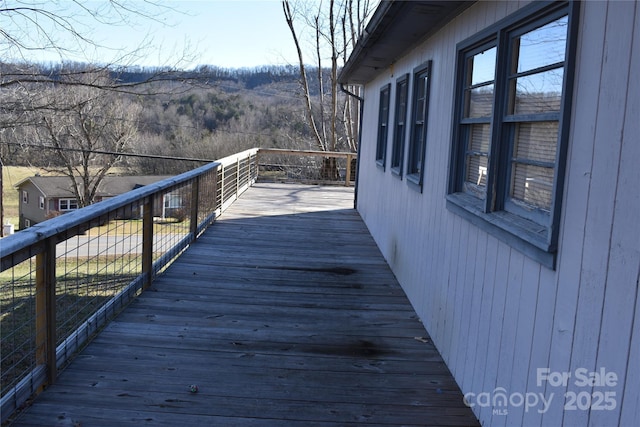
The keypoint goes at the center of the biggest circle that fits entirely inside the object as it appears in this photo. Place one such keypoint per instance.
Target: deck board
(283, 313)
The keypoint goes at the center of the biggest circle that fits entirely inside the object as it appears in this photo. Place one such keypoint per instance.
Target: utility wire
(112, 153)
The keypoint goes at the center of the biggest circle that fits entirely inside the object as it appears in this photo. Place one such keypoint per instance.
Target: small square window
(172, 201)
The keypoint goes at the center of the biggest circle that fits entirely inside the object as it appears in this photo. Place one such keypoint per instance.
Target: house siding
(31, 210)
(495, 314)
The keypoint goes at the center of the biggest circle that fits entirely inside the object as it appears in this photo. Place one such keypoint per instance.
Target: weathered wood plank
(283, 313)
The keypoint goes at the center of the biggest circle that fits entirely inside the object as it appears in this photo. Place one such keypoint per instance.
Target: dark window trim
(383, 125)
(533, 239)
(505, 226)
(399, 138)
(416, 180)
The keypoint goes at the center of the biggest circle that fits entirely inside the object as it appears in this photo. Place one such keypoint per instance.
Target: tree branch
(303, 75)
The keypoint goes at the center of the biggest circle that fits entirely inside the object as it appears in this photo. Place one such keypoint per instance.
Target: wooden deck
(282, 313)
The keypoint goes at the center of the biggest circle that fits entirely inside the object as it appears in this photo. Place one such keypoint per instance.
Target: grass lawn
(83, 286)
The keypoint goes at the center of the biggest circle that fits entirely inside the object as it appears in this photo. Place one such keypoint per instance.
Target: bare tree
(82, 121)
(64, 28)
(336, 27)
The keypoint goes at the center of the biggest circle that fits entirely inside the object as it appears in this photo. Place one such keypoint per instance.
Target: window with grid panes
(511, 126)
(400, 118)
(420, 111)
(476, 119)
(68, 204)
(383, 128)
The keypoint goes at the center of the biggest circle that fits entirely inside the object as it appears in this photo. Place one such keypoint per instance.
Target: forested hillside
(206, 113)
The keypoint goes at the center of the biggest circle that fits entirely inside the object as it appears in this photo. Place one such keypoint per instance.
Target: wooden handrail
(230, 177)
(41, 241)
(302, 153)
(339, 154)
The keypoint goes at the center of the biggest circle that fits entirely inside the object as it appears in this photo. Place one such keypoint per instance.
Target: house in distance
(44, 197)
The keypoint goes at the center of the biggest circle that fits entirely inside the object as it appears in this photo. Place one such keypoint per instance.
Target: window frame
(511, 120)
(400, 124)
(383, 125)
(172, 201)
(25, 197)
(41, 202)
(461, 131)
(68, 202)
(534, 234)
(416, 155)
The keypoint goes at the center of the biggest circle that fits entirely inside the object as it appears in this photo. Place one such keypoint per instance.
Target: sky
(224, 33)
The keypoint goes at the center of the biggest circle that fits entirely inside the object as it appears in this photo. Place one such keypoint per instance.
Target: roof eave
(395, 28)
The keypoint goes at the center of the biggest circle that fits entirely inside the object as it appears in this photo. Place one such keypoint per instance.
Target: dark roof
(394, 29)
(60, 186)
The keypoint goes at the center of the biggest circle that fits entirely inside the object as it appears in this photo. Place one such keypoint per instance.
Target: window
(399, 131)
(172, 201)
(476, 117)
(420, 111)
(511, 126)
(25, 196)
(68, 204)
(383, 121)
(172, 206)
(41, 202)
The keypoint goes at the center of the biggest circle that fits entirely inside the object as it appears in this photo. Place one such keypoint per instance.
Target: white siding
(495, 314)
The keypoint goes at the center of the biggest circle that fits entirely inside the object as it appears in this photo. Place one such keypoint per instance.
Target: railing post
(222, 171)
(347, 178)
(193, 225)
(46, 309)
(237, 176)
(147, 242)
(257, 165)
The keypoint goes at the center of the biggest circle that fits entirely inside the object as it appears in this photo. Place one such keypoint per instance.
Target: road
(105, 245)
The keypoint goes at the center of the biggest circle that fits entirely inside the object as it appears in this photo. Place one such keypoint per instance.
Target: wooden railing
(307, 166)
(65, 278)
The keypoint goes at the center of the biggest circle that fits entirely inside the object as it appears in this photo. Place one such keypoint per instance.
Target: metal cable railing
(63, 279)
